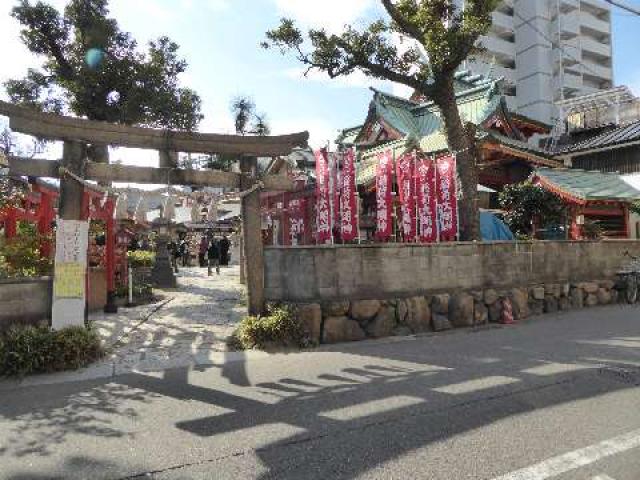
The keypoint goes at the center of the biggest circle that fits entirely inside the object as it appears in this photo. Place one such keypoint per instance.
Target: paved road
(557, 397)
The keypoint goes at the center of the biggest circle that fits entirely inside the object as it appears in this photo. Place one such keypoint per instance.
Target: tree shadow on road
(346, 410)
(434, 389)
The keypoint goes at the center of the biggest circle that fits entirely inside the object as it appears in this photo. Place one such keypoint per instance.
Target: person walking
(225, 244)
(213, 253)
(202, 250)
(184, 252)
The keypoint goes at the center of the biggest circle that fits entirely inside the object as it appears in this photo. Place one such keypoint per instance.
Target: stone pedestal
(162, 274)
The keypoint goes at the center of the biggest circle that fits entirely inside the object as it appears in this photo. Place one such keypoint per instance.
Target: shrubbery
(28, 350)
(21, 256)
(279, 328)
(141, 258)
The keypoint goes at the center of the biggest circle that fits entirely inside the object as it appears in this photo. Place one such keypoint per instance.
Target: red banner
(427, 212)
(323, 198)
(405, 168)
(447, 198)
(334, 191)
(384, 201)
(295, 227)
(349, 218)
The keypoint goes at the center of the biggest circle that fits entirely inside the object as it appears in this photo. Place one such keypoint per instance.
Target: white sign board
(69, 282)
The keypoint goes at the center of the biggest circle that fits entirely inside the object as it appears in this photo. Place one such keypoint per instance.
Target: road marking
(555, 466)
(374, 407)
(476, 385)
(602, 477)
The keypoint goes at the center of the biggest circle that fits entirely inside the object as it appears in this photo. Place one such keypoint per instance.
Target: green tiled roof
(348, 135)
(584, 185)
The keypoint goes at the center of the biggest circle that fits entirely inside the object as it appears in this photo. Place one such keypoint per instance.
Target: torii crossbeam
(76, 133)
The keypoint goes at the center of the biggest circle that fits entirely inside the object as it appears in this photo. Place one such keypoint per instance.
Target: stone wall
(24, 301)
(319, 274)
(344, 320)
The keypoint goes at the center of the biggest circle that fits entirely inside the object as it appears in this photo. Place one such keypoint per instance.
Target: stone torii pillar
(252, 238)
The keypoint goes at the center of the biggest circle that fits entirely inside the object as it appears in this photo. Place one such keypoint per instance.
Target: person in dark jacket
(202, 250)
(225, 245)
(213, 253)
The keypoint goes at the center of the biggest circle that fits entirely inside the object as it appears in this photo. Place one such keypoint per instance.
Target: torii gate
(76, 133)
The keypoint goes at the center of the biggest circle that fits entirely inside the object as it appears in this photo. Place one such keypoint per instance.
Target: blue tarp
(493, 229)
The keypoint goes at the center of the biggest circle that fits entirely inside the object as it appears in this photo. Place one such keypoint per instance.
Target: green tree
(526, 203)
(247, 122)
(93, 69)
(446, 34)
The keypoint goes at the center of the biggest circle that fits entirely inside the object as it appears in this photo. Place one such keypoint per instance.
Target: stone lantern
(162, 273)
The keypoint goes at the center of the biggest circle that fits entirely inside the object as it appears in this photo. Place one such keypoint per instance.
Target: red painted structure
(39, 208)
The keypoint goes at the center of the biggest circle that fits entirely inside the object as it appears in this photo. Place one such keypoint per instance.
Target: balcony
(568, 25)
(500, 48)
(502, 23)
(591, 22)
(569, 5)
(596, 47)
(596, 66)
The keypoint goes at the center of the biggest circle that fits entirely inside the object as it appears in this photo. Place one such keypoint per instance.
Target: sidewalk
(194, 319)
(187, 326)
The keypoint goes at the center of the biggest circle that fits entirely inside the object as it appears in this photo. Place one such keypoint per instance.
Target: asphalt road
(557, 397)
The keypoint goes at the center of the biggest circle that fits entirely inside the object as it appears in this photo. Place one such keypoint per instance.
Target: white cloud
(320, 131)
(355, 80)
(332, 15)
(16, 59)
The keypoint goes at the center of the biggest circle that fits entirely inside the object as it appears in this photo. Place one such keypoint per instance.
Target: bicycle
(629, 278)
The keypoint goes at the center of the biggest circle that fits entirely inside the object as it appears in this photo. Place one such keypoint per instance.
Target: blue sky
(220, 40)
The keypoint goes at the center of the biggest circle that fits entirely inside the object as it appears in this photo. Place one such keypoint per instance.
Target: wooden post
(252, 233)
(74, 159)
(73, 206)
(243, 276)
(110, 253)
(168, 159)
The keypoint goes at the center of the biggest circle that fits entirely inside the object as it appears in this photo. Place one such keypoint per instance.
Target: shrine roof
(621, 135)
(582, 185)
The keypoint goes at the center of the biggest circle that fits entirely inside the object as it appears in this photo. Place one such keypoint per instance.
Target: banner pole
(340, 194)
(394, 216)
(416, 237)
(435, 181)
(357, 193)
(458, 191)
(332, 192)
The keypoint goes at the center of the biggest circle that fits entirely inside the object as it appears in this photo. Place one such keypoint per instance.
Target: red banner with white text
(427, 211)
(295, 228)
(447, 198)
(349, 217)
(384, 200)
(405, 169)
(334, 192)
(323, 198)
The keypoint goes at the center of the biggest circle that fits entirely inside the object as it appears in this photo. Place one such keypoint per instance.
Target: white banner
(69, 283)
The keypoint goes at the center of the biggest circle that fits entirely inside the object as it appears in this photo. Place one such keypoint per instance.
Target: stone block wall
(25, 301)
(318, 274)
(344, 320)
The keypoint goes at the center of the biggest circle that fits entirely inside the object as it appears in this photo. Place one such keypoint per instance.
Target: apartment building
(548, 51)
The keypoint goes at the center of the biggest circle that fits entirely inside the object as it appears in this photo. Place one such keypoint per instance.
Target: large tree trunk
(466, 157)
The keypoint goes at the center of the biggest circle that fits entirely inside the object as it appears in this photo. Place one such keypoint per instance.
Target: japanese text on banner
(323, 206)
(384, 200)
(447, 198)
(348, 223)
(427, 212)
(407, 193)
